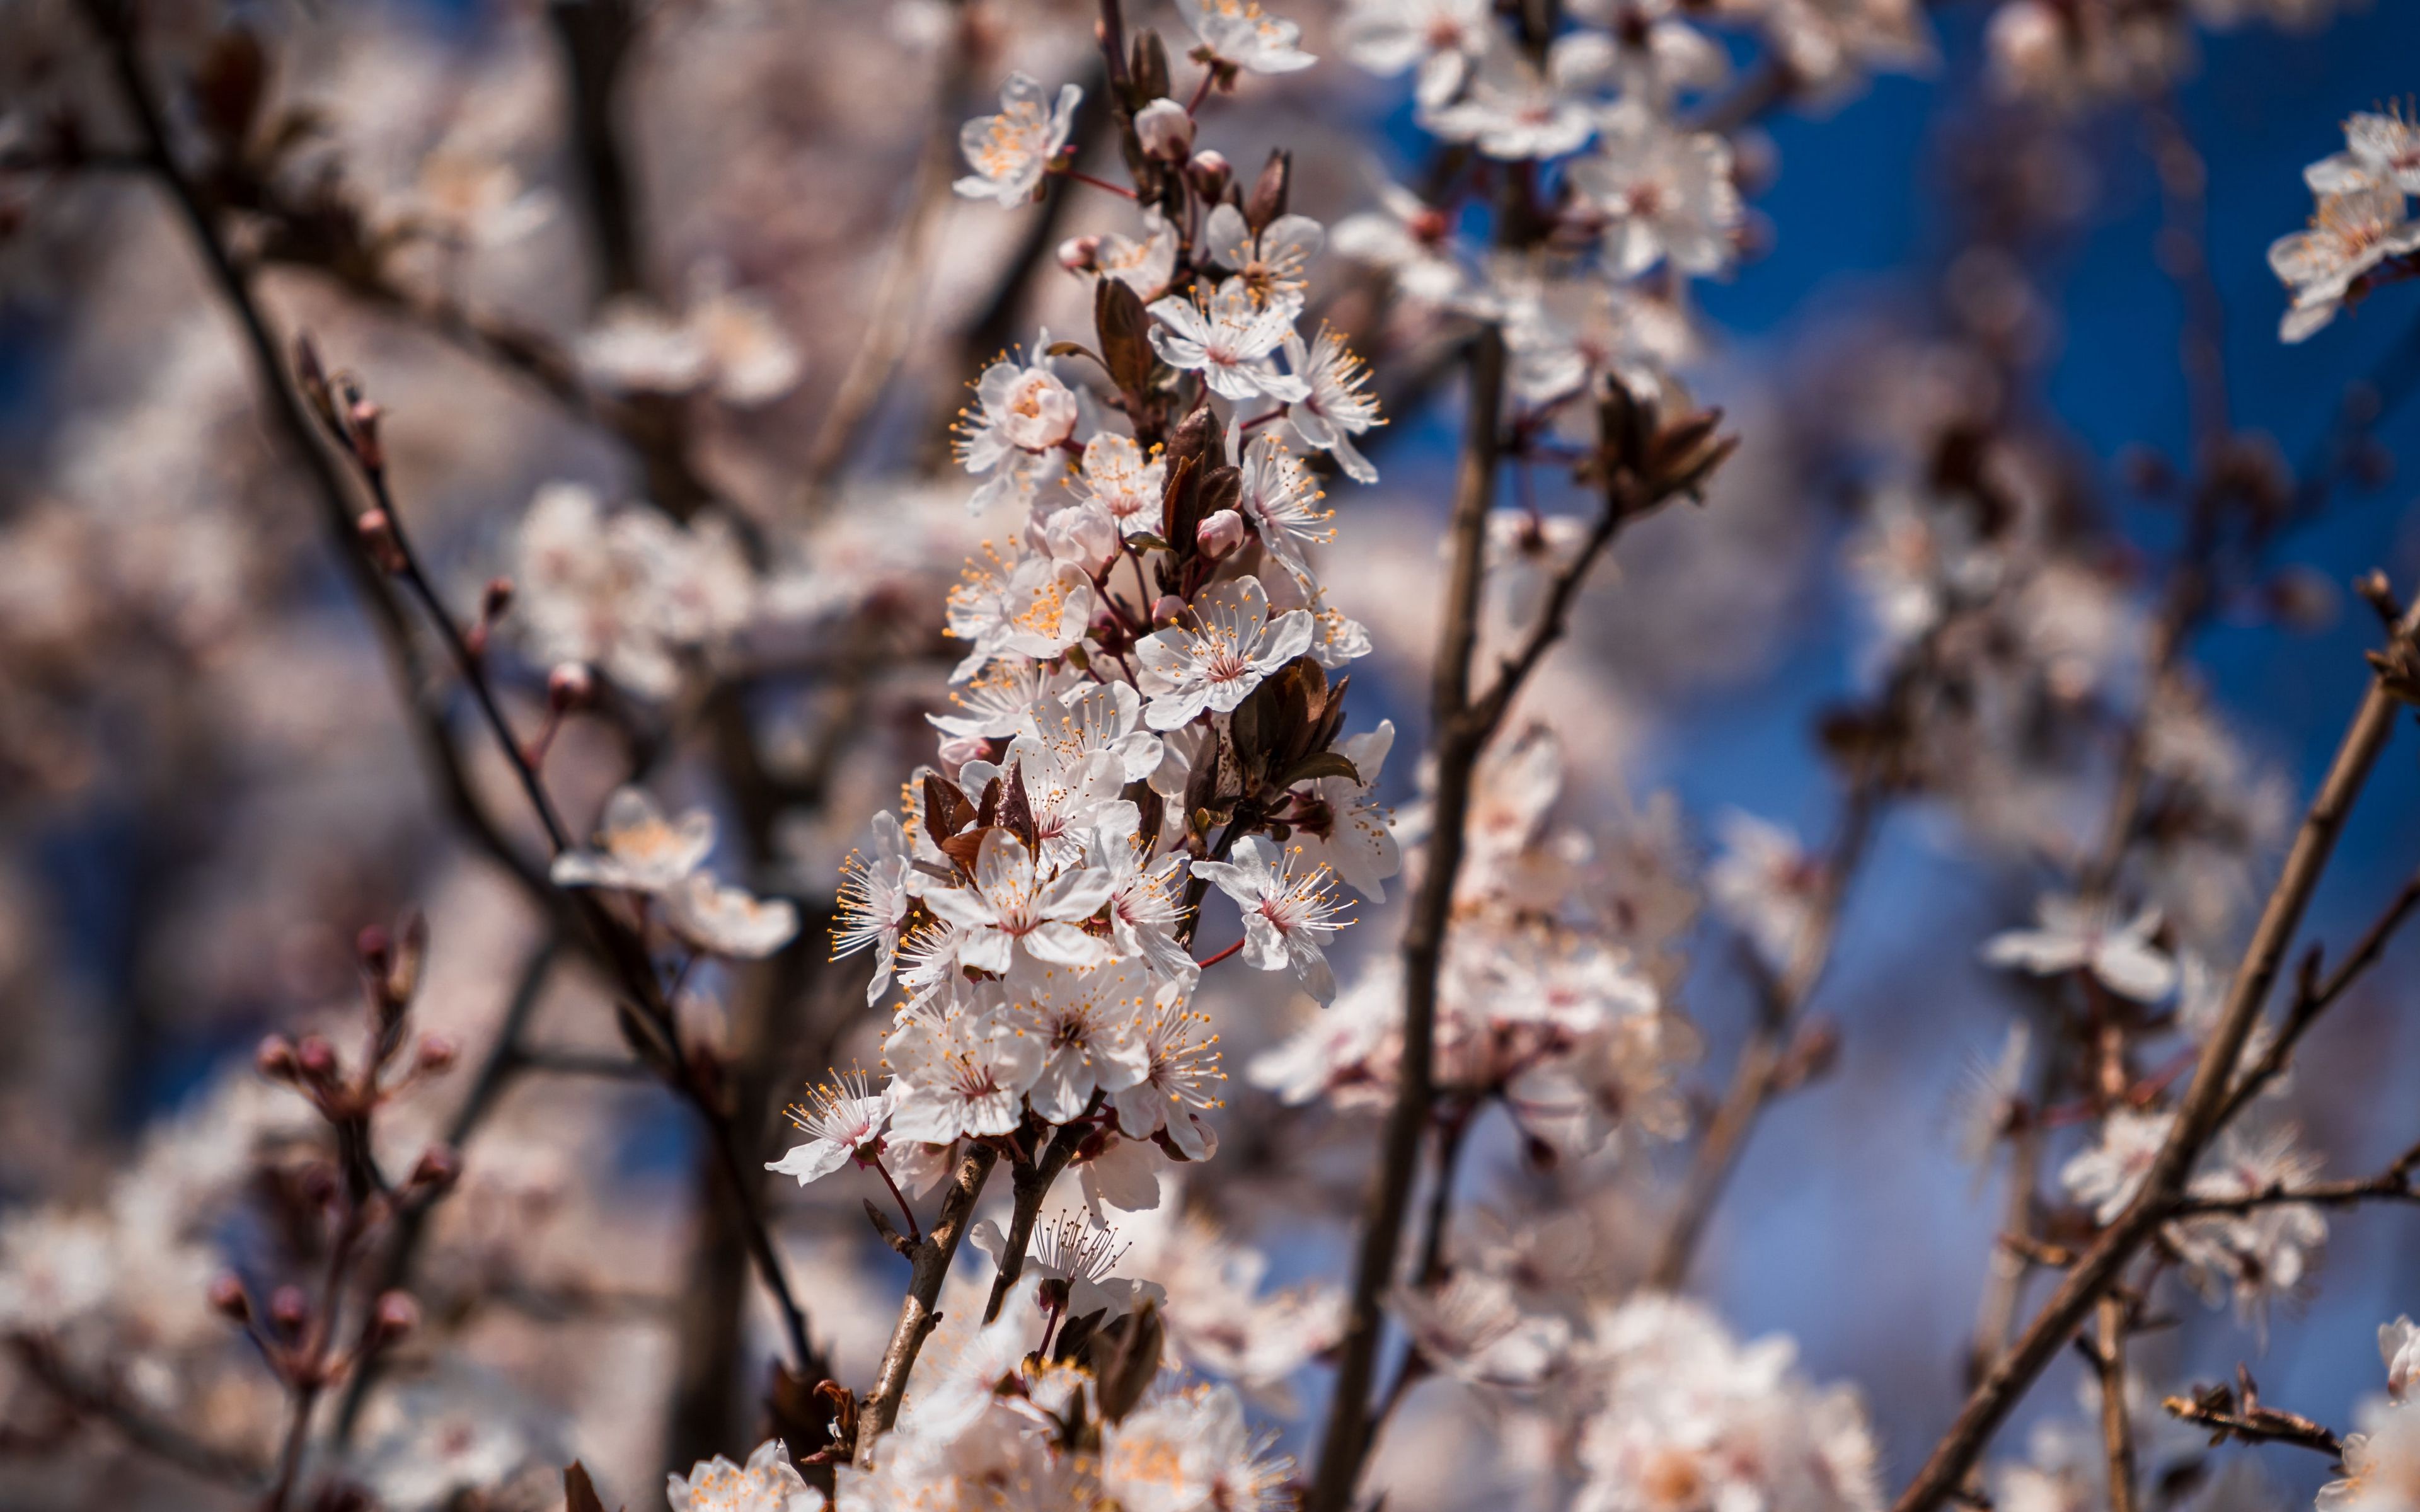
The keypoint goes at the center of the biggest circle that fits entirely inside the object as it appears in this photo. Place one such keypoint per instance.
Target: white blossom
(1012, 150)
(1218, 655)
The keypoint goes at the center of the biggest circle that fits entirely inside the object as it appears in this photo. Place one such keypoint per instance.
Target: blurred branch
(2236, 1414)
(160, 1441)
(2313, 996)
(2117, 1434)
(2393, 1185)
(2197, 1119)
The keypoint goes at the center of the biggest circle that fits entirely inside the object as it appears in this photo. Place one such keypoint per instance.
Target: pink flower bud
(396, 1315)
(316, 1057)
(288, 1307)
(438, 1168)
(1166, 129)
(1168, 609)
(1078, 254)
(438, 1053)
(275, 1059)
(1209, 172)
(1219, 534)
(570, 686)
(229, 1299)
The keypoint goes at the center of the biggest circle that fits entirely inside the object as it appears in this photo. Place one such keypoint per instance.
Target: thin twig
(1031, 1186)
(1459, 739)
(929, 1267)
(2314, 997)
(2117, 1434)
(2196, 1118)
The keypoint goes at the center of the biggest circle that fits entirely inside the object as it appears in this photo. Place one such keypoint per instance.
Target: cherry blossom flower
(1017, 605)
(1213, 662)
(843, 1118)
(2398, 1347)
(1281, 502)
(1010, 151)
(1116, 477)
(626, 592)
(1144, 266)
(1338, 406)
(1227, 338)
(1010, 905)
(1764, 883)
(1408, 237)
(1512, 110)
(2382, 1461)
(1574, 336)
(726, 920)
(2351, 234)
(1441, 39)
(1145, 896)
(767, 1483)
(2073, 935)
(1241, 33)
(1088, 1023)
(1473, 1329)
(1180, 1080)
(1287, 918)
(726, 340)
(1338, 824)
(874, 898)
(1071, 788)
(1021, 414)
(1092, 719)
(2106, 1177)
(640, 850)
(2379, 149)
(1190, 1452)
(1270, 262)
(962, 1072)
(1654, 53)
(1664, 194)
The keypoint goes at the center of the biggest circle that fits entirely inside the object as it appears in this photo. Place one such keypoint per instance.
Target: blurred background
(214, 765)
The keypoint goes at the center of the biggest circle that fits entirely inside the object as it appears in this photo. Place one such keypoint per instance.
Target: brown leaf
(578, 1491)
(946, 809)
(1124, 328)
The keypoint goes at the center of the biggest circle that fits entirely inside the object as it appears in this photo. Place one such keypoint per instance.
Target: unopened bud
(1166, 130)
(362, 419)
(1109, 632)
(316, 1057)
(437, 1169)
(498, 598)
(1167, 610)
(1219, 534)
(570, 686)
(375, 947)
(1209, 172)
(438, 1053)
(395, 1316)
(275, 1060)
(229, 1299)
(288, 1307)
(1077, 255)
(378, 538)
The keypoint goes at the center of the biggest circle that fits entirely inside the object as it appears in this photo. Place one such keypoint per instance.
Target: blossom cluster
(2361, 234)
(1553, 999)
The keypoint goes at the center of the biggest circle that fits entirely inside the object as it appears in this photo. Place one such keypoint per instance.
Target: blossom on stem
(1270, 262)
(1022, 411)
(1287, 917)
(874, 898)
(844, 1119)
(1012, 150)
(1225, 651)
(639, 850)
(2352, 232)
(1241, 33)
(1338, 408)
(1227, 337)
(2073, 935)
(1665, 195)
(767, 1483)
(1011, 906)
(1438, 39)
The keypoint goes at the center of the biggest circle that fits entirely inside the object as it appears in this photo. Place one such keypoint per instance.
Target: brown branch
(2313, 996)
(1030, 1183)
(2236, 1414)
(163, 1441)
(2393, 1185)
(2117, 1434)
(1759, 1076)
(2196, 1118)
(929, 1263)
(1460, 735)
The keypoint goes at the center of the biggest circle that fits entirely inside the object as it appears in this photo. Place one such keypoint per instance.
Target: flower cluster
(2361, 235)
(1552, 997)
